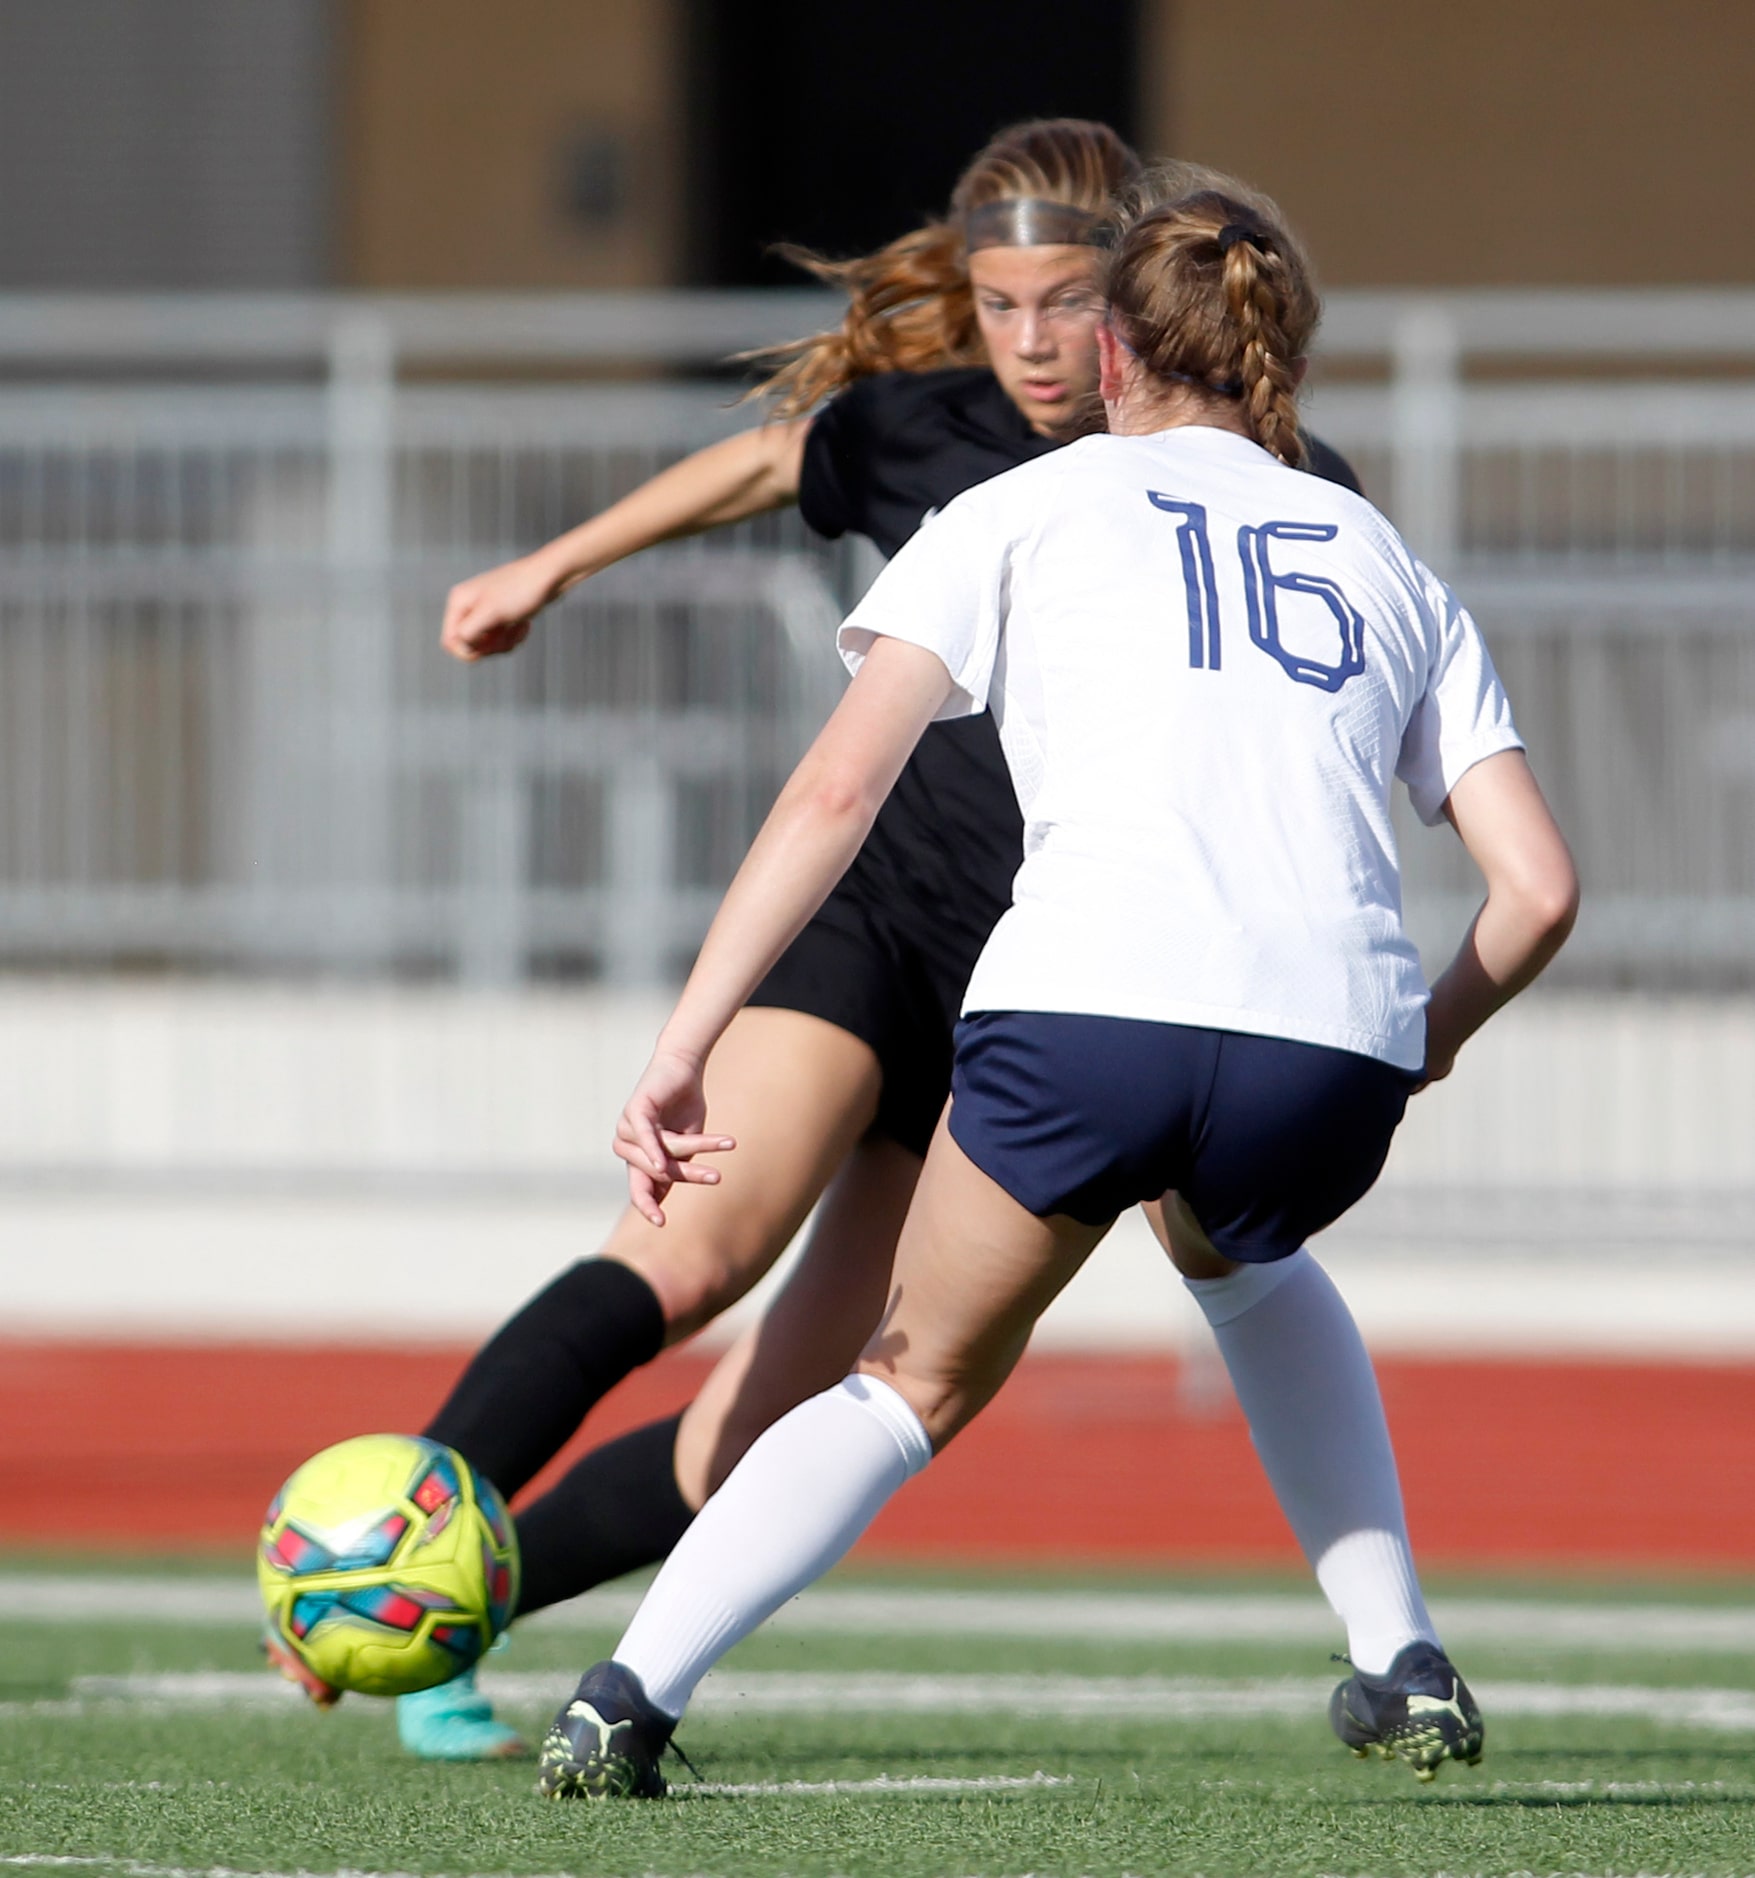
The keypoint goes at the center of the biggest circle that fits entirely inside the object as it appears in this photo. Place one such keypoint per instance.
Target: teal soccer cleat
(1419, 1710)
(455, 1722)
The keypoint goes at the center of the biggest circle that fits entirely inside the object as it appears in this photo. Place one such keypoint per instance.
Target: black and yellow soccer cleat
(606, 1743)
(1419, 1711)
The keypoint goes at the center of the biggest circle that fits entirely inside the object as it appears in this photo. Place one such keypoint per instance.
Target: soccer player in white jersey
(1207, 672)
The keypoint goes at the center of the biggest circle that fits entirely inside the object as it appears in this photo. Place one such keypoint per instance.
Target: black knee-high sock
(617, 1509)
(529, 1387)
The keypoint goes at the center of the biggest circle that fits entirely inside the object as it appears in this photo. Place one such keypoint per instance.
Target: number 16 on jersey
(1262, 587)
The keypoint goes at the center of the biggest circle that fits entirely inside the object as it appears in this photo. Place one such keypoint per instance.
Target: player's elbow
(778, 450)
(836, 794)
(1560, 905)
(847, 800)
(1545, 893)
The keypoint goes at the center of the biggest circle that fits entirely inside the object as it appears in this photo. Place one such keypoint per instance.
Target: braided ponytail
(1268, 378)
(1211, 289)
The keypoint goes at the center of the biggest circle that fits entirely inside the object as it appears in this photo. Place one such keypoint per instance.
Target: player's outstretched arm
(1532, 901)
(745, 475)
(812, 832)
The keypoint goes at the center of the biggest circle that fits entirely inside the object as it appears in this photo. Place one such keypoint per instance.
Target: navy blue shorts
(1267, 1140)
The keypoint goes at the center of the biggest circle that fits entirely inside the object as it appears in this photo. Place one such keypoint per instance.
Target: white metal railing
(293, 775)
(1582, 466)
(227, 525)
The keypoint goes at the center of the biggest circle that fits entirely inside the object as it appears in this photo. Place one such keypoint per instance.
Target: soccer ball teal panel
(387, 1564)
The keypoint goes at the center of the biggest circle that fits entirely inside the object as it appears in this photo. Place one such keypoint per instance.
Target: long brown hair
(1208, 286)
(909, 305)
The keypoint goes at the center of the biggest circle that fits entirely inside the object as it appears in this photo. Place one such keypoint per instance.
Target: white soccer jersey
(1206, 669)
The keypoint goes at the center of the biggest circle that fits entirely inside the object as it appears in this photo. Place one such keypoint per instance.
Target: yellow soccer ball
(387, 1564)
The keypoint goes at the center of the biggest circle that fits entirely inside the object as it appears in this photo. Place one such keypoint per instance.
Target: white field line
(789, 1692)
(972, 1783)
(882, 1783)
(1616, 1789)
(705, 1789)
(133, 1868)
(1087, 1617)
(1574, 1789)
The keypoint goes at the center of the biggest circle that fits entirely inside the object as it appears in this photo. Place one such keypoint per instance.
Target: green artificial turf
(142, 1787)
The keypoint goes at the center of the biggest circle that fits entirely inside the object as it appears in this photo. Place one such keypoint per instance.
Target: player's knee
(693, 1278)
(693, 1293)
(946, 1399)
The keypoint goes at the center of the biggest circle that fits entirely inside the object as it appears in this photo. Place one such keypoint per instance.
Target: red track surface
(1081, 1459)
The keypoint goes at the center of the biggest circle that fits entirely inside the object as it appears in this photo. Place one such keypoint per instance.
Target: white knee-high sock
(789, 1509)
(1307, 1387)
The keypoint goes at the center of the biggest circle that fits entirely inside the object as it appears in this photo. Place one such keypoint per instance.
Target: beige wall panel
(1560, 142)
(458, 117)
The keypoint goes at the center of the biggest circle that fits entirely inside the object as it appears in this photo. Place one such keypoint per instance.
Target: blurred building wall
(555, 143)
(531, 143)
(1568, 143)
(164, 143)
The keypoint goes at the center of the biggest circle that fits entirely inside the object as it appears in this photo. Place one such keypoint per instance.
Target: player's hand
(492, 612)
(660, 1133)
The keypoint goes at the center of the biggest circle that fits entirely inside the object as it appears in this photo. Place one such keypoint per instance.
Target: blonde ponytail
(909, 309)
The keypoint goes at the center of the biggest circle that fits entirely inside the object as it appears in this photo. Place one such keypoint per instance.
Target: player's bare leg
(1179, 1233)
(796, 1093)
(625, 1504)
(815, 1327)
(973, 1272)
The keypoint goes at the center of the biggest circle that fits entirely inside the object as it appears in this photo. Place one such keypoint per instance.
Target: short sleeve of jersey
(831, 476)
(945, 592)
(1463, 716)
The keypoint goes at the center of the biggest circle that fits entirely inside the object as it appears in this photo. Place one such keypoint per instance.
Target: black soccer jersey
(892, 448)
(891, 951)
(878, 460)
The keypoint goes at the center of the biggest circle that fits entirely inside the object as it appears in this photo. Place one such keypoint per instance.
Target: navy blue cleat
(1419, 1711)
(606, 1743)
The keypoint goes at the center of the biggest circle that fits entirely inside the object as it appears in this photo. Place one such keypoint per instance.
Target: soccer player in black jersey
(969, 347)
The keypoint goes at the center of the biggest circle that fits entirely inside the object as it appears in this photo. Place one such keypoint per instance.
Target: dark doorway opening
(841, 123)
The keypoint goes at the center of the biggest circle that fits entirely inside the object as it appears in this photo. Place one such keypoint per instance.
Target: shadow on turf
(1604, 1768)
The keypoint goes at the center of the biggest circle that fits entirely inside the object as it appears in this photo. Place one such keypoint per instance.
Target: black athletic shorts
(851, 968)
(1267, 1140)
(889, 955)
